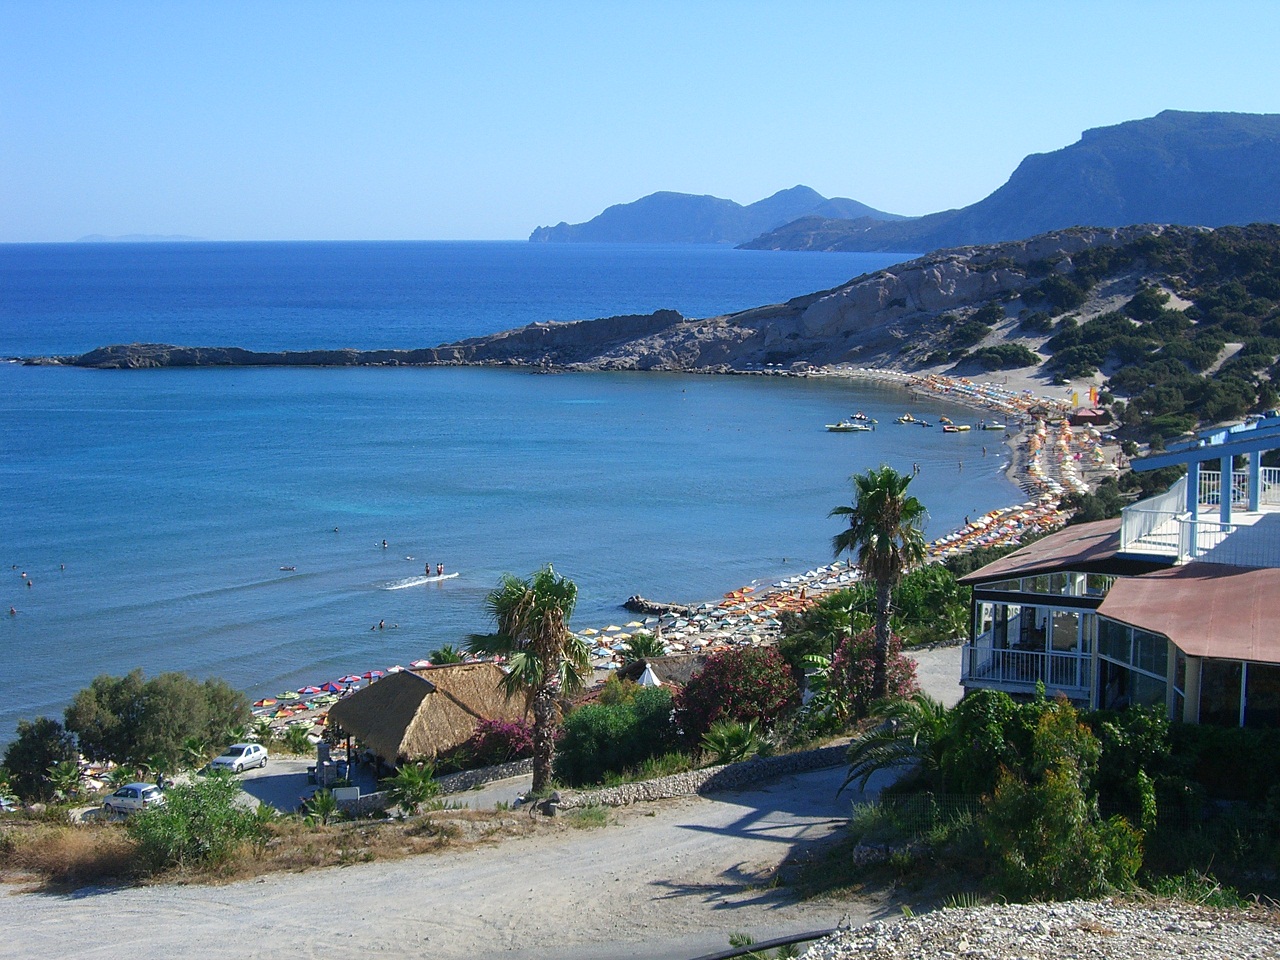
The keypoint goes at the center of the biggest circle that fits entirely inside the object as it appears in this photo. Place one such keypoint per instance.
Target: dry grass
(55, 856)
(52, 857)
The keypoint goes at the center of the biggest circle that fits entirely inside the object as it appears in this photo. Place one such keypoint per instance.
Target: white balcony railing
(1021, 670)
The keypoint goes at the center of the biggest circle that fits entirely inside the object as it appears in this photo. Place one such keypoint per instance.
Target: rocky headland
(893, 318)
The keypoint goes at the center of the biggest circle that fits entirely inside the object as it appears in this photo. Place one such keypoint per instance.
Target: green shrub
(198, 824)
(413, 785)
(850, 676)
(729, 741)
(748, 683)
(40, 744)
(602, 738)
(1042, 827)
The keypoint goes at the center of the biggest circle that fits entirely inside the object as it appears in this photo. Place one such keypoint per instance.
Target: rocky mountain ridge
(667, 217)
(1199, 169)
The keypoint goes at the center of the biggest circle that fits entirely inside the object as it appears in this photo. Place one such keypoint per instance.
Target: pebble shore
(1101, 930)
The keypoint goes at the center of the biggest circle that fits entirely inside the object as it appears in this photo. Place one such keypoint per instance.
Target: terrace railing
(1149, 524)
(1021, 670)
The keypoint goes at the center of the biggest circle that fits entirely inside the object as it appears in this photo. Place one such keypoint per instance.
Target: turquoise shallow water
(174, 497)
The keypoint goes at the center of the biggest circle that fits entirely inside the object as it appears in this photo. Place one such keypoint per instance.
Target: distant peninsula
(137, 238)
(1196, 169)
(1183, 322)
(686, 218)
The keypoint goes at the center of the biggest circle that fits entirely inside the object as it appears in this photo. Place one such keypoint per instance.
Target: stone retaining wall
(709, 780)
(460, 782)
(465, 780)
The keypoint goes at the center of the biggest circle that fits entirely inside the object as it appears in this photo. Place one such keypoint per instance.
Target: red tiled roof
(1206, 609)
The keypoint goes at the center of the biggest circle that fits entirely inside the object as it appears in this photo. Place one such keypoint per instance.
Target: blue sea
(230, 522)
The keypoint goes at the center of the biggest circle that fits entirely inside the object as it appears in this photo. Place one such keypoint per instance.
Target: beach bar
(1174, 604)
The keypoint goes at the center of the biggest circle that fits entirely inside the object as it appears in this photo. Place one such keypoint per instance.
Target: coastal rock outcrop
(897, 318)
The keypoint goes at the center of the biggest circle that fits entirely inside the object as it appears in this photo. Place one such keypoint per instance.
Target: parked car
(133, 796)
(240, 756)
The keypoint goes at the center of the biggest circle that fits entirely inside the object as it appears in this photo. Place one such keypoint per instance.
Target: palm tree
(911, 737)
(543, 658)
(642, 646)
(884, 533)
(445, 655)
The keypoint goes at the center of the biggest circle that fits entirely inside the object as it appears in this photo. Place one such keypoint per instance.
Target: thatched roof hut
(417, 714)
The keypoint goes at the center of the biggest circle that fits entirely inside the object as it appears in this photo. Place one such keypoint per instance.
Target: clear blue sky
(274, 120)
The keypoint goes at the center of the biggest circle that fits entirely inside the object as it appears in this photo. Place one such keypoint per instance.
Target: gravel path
(1062, 931)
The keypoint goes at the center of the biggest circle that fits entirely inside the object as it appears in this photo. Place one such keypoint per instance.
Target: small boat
(863, 418)
(991, 426)
(907, 418)
(288, 569)
(945, 421)
(848, 426)
(955, 427)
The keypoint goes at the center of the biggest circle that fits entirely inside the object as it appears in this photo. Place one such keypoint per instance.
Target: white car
(241, 756)
(133, 796)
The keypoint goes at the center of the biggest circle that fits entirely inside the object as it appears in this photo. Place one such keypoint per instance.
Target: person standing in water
(439, 569)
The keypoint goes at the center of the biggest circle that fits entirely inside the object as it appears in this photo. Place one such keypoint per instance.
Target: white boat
(848, 426)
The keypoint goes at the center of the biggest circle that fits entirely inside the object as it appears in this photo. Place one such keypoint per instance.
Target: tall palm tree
(884, 533)
(543, 658)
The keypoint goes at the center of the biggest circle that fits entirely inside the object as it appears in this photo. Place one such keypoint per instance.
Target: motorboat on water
(863, 418)
(991, 426)
(849, 426)
(950, 427)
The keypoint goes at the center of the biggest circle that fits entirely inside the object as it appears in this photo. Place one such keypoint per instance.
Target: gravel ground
(1104, 930)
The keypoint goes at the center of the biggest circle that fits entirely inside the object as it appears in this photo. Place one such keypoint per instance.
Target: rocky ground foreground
(1104, 930)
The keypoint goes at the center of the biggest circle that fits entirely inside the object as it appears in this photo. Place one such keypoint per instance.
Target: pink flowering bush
(750, 683)
(500, 741)
(853, 667)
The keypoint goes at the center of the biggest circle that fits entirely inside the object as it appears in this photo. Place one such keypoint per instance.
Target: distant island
(686, 218)
(137, 238)
(1196, 169)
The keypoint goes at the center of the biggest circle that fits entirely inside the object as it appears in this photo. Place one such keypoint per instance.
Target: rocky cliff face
(891, 318)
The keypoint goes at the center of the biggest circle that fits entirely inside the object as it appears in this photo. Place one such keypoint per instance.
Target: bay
(152, 511)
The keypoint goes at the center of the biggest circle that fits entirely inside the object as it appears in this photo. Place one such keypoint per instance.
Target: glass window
(1113, 640)
(1066, 630)
(1007, 586)
(1262, 695)
(1033, 629)
(1146, 691)
(1060, 584)
(984, 618)
(1097, 584)
(1150, 652)
(1038, 584)
(1220, 693)
(1088, 632)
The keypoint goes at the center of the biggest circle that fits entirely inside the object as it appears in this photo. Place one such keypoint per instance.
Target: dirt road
(666, 880)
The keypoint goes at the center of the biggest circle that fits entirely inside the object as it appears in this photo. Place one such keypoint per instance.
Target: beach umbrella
(373, 675)
(419, 664)
(265, 702)
(289, 695)
(307, 691)
(635, 623)
(612, 628)
(331, 687)
(396, 669)
(350, 678)
(589, 632)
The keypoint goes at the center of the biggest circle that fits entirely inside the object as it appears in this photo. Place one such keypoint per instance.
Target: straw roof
(415, 714)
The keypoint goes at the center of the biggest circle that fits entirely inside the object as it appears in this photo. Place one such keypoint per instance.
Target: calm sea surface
(153, 510)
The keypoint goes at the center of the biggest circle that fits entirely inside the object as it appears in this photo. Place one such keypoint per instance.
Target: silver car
(133, 796)
(241, 756)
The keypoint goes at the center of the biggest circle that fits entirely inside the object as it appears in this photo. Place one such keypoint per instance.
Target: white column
(1193, 489)
(1224, 496)
(1170, 674)
(1191, 692)
(1255, 480)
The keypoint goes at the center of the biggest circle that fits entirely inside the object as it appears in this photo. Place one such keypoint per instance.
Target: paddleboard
(417, 581)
